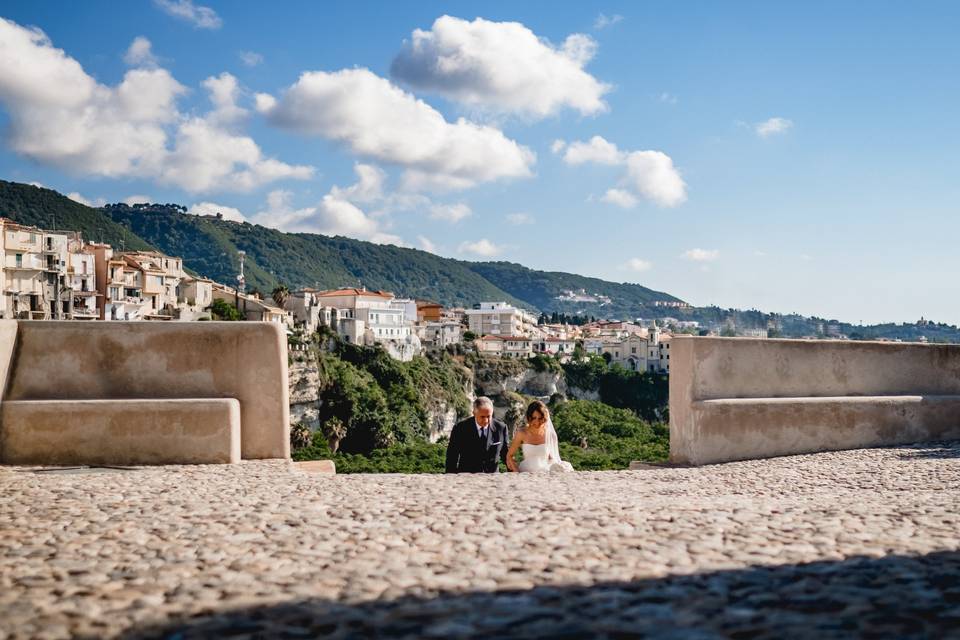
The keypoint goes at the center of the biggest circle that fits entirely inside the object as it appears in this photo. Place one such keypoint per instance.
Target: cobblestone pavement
(828, 545)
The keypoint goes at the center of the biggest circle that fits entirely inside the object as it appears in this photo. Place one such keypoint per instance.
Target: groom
(477, 444)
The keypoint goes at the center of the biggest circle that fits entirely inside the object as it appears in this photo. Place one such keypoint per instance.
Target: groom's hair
(481, 402)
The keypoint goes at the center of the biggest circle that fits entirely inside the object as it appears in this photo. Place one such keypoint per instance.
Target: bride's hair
(536, 407)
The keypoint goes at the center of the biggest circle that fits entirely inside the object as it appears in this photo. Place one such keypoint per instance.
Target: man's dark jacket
(468, 453)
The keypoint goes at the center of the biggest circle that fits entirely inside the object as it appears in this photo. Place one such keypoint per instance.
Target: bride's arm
(511, 454)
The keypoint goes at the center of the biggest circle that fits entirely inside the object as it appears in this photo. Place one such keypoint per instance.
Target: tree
(280, 295)
(334, 431)
(300, 436)
(223, 310)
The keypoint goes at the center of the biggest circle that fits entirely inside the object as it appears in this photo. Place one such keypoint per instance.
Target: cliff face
(539, 384)
(306, 393)
(508, 383)
(304, 377)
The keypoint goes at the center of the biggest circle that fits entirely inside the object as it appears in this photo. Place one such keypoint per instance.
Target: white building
(630, 352)
(490, 346)
(517, 346)
(557, 346)
(82, 282)
(306, 309)
(440, 334)
(194, 297)
(35, 282)
(499, 318)
(372, 317)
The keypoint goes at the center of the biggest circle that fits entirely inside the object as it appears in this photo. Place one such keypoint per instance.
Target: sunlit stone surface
(262, 548)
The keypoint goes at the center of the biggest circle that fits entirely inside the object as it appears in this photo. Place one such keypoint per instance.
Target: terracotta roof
(355, 292)
(491, 338)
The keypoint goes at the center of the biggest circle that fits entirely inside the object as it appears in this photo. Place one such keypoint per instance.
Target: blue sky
(797, 158)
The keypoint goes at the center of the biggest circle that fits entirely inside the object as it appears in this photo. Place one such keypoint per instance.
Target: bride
(541, 448)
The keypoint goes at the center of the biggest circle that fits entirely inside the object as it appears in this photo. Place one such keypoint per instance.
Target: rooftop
(826, 545)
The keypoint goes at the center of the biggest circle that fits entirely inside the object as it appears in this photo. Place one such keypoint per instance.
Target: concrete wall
(121, 432)
(741, 398)
(140, 360)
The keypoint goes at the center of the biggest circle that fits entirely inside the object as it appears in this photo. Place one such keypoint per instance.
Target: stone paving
(857, 543)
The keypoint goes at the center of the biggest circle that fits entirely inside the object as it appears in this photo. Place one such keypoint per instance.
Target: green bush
(594, 435)
(542, 362)
(419, 457)
(223, 310)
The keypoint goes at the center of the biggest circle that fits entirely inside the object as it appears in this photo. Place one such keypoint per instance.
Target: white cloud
(638, 264)
(773, 126)
(597, 150)
(482, 247)
(138, 199)
(39, 185)
(653, 176)
(501, 67)
(60, 116)
(250, 58)
(520, 218)
(337, 212)
(450, 212)
(620, 197)
(367, 188)
(77, 197)
(201, 17)
(224, 91)
(207, 157)
(668, 98)
(375, 119)
(426, 244)
(140, 53)
(212, 209)
(701, 255)
(648, 174)
(603, 21)
(557, 146)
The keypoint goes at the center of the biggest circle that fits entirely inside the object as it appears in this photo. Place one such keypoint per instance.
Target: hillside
(545, 290)
(47, 209)
(209, 246)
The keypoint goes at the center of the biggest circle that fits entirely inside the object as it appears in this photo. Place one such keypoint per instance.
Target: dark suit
(468, 453)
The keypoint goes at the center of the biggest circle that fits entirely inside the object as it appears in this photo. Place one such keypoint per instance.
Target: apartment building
(499, 318)
(82, 282)
(35, 283)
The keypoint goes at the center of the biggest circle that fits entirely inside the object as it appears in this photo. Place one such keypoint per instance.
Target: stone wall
(119, 361)
(741, 398)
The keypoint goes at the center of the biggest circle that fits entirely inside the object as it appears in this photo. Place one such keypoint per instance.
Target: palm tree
(280, 295)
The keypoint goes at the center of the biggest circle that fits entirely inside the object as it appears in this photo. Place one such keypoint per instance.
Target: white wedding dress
(544, 458)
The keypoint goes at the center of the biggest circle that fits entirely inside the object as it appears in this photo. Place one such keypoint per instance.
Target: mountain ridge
(209, 246)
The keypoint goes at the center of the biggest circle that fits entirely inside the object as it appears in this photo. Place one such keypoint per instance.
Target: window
(633, 349)
(19, 259)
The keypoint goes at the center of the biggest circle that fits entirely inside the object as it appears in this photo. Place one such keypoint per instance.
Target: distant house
(252, 307)
(429, 311)
(490, 346)
(557, 346)
(517, 346)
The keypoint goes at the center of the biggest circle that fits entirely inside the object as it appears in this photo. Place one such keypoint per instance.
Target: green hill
(209, 246)
(47, 209)
(546, 290)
